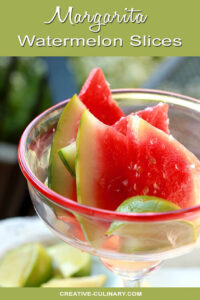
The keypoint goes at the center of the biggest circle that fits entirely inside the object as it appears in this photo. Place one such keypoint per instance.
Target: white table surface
(183, 271)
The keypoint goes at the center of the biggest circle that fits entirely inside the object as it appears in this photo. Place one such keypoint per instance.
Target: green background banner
(166, 21)
(103, 293)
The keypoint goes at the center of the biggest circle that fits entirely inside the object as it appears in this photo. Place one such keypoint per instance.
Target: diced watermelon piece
(156, 115)
(96, 96)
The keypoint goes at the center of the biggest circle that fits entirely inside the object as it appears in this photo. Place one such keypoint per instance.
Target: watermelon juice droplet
(156, 186)
(192, 166)
(145, 190)
(176, 167)
(125, 182)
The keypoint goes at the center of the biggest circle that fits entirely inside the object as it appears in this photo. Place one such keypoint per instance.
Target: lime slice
(29, 265)
(151, 236)
(88, 281)
(67, 155)
(70, 261)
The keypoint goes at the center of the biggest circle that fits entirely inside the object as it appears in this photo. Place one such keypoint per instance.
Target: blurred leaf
(23, 96)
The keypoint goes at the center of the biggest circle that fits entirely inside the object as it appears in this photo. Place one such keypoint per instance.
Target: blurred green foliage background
(120, 72)
(23, 92)
(24, 89)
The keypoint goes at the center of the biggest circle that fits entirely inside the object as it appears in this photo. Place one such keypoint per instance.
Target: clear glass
(145, 240)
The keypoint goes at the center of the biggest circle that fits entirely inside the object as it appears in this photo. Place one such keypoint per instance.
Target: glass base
(130, 272)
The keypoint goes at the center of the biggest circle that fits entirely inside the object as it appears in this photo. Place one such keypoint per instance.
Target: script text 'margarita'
(97, 20)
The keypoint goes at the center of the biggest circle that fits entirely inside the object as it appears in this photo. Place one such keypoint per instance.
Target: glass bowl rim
(66, 203)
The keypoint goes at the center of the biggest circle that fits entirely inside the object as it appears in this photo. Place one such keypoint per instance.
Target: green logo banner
(85, 27)
(103, 293)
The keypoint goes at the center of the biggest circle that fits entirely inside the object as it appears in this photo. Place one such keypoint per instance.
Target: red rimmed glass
(146, 239)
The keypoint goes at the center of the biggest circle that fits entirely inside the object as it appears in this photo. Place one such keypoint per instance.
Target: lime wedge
(151, 236)
(142, 204)
(67, 155)
(70, 261)
(88, 281)
(28, 265)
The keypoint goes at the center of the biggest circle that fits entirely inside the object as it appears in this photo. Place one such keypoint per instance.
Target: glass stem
(128, 282)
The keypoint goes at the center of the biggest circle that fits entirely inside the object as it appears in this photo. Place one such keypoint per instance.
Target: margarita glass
(145, 239)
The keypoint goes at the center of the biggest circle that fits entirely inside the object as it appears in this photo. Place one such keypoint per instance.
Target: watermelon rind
(82, 174)
(59, 178)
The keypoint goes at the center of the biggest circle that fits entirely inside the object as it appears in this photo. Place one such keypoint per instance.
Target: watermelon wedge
(100, 173)
(162, 167)
(96, 96)
(59, 178)
(111, 167)
(156, 115)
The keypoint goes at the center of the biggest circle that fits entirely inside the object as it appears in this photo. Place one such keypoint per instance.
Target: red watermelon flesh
(160, 166)
(101, 164)
(96, 96)
(156, 115)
